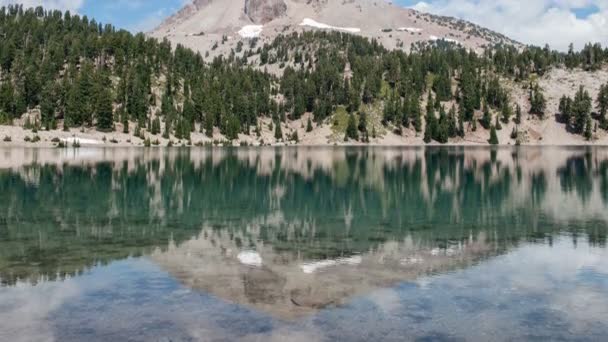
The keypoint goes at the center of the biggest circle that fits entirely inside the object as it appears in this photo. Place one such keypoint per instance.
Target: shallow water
(304, 244)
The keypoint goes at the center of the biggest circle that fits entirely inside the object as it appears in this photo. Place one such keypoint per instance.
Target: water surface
(305, 244)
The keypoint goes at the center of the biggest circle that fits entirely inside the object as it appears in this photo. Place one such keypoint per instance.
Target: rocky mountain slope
(203, 24)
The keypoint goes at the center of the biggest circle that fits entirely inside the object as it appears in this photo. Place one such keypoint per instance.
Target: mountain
(203, 23)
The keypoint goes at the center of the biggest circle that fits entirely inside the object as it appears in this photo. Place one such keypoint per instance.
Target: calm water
(303, 244)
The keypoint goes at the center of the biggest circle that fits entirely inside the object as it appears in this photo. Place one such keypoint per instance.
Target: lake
(304, 244)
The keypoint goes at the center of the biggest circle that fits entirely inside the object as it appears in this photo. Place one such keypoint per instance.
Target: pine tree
(581, 110)
(588, 128)
(493, 136)
(565, 109)
(405, 113)
(233, 127)
(602, 103)
(74, 106)
(294, 137)
(506, 113)
(19, 87)
(497, 124)
(7, 104)
(188, 113)
(453, 124)
(442, 84)
(138, 132)
(518, 114)
(354, 101)
(514, 133)
(572, 61)
(299, 107)
(47, 106)
(442, 131)
(104, 110)
(430, 131)
(167, 131)
(461, 131)
(309, 125)
(278, 132)
(125, 121)
(363, 127)
(155, 126)
(469, 94)
(351, 129)
(416, 113)
(86, 87)
(486, 120)
(209, 125)
(388, 114)
(320, 110)
(538, 104)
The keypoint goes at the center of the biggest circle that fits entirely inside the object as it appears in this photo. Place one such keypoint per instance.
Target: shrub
(294, 137)
(5, 119)
(7, 139)
(27, 124)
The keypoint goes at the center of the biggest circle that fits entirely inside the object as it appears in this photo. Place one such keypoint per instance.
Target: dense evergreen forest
(78, 72)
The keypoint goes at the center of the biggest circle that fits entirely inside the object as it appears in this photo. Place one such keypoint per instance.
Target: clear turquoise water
(304, 244)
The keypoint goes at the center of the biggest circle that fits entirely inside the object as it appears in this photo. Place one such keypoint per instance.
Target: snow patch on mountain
(410, 29)
(312, 23)
(251, 31)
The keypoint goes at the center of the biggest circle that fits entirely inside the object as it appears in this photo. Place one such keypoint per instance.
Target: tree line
(78, 72)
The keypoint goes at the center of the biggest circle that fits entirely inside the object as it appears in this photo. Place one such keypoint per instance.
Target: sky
(554, 22)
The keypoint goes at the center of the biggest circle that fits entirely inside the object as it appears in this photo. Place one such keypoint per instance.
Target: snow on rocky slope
(205, 23)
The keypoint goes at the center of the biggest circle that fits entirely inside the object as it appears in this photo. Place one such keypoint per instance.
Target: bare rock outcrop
(263, 11)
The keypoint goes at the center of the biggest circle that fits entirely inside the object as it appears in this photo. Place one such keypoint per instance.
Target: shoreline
(321, 136)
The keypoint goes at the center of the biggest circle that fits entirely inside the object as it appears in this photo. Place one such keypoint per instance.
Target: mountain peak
(203, 23)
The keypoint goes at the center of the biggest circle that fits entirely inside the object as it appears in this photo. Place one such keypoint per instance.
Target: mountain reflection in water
(293, 241)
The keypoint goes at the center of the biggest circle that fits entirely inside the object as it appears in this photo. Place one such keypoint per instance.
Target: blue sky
(556, 22)
(134, 15)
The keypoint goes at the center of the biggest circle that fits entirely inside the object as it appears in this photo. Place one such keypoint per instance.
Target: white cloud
(538, 22)
(71, 5)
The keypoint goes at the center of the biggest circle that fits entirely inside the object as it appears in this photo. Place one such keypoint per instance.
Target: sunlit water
(304, 244)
